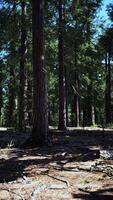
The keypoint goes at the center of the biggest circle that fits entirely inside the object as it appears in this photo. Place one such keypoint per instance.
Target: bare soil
(77, 165)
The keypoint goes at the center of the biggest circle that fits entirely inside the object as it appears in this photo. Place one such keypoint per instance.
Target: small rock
(4, 195)
(64, 154)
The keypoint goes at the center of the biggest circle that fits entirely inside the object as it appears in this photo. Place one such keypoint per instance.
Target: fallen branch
(59, 179)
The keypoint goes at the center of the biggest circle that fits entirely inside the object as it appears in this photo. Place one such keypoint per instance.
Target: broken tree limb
(59, 179)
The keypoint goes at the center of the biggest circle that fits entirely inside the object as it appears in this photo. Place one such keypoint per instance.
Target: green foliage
(82, 55)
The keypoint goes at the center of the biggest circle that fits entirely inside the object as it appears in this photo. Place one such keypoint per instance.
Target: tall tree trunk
(22, 67)
(11, 102)
(87, 111)
(40, 101)
(29, 99)
(108, 88)
(76, 96)
(62, 92)
(1, 93)
(93, 109)
(109, 85)
(66, 89)
(11, 86)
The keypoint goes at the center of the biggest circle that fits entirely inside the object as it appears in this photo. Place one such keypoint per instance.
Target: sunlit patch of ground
(69, 169)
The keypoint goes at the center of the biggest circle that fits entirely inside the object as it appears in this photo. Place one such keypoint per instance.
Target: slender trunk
(11, 87)
(11, 102)
(93, 111)
(1, 95)
(87, 113)
(108, 88)
(29, 99)
(66, 88)
(109, 85)
(89, 105)
(76, 98)
(22, 68)
(77, 112)
(62, 92)
(40, 101)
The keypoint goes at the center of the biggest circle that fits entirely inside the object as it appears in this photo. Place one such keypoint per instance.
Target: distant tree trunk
(11, 102)
(66, 89)
(87, 111)
(1, 93)
(29, 99)
(40, 101)
(108, 88)
(22, 67)
(77, 113)
(93, 109)
(76, 96)
(62, 92)
(109, 85)
(11, 87)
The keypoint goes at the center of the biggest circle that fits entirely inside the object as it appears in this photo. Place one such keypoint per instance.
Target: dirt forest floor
(77, 165)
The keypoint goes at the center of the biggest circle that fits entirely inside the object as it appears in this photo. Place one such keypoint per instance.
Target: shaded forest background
(78, 59)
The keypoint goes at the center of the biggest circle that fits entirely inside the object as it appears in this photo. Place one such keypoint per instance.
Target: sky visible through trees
(103, 12)
(56, 64)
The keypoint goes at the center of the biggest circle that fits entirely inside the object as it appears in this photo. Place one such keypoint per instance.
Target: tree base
(62, 128)
(33, 143)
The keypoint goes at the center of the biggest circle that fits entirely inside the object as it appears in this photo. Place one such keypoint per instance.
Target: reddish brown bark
(40, 103)
(62, 92)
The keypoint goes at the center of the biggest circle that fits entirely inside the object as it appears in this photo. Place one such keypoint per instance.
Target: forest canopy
(56, 65)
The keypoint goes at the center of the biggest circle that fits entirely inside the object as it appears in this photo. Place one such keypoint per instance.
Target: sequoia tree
(40, 102)
(22, 66)
(62, 92)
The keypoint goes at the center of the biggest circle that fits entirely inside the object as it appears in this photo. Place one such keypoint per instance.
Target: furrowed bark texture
(40, 102)
(62, 92)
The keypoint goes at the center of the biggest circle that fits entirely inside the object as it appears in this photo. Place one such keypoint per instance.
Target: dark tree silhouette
(62, 92)
(40, 105)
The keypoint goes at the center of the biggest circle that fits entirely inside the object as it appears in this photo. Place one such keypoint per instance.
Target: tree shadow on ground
(19, 160)
(97, 195)
(74, 137)
(66, 148)
(17, 166)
